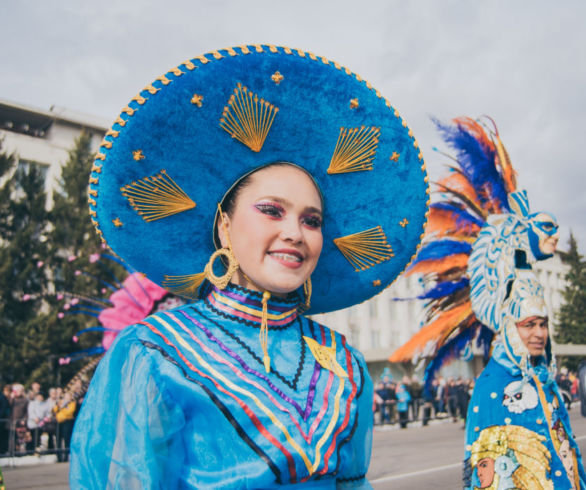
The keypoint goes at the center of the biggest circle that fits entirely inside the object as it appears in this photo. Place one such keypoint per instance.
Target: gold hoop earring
(221, 281)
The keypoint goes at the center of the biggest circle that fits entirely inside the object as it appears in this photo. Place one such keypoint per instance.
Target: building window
(25, 166)
(374, 339)
(354, 335)
(372, 308)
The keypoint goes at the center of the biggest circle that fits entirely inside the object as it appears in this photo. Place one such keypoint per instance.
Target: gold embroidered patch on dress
(365, 249)
(248, 118)
(117, 222)
(376, 282)
(404, 223)
(355, 150)
(395, 156)
(156, 197)
(354, 103)
(185, 285)
(326, 357)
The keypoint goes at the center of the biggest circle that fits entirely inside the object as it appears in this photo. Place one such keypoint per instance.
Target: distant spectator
(416, 390)
(440, 395)
(18, 417)
(463, 397)
(34, 391)
(403, 399)
(574, 388)
(64, 414)
(35, 416)
(384, 396)
(4, 419)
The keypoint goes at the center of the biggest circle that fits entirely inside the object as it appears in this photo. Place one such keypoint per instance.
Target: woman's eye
(312, 221)
(270, 210)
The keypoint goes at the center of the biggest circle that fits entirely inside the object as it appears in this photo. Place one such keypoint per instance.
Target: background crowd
(408, 401)
(34, 421)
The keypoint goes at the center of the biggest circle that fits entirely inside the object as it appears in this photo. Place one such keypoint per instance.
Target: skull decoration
(519, 397)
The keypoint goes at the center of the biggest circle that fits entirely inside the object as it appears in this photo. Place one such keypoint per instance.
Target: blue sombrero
(182, 142)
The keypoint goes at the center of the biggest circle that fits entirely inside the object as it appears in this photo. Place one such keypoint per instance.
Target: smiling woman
(238, 389)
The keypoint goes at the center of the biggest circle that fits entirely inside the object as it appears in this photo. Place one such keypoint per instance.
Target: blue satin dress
(518, 432)
(182, 400)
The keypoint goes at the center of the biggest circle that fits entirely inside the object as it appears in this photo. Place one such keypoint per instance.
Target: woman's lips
(288, 258)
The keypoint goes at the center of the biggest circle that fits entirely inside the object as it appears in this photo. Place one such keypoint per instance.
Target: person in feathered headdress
(278, 163)
(480, 189)
(517, 388)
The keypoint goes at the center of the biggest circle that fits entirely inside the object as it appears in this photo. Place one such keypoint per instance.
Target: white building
(381, 325)
(44, 138)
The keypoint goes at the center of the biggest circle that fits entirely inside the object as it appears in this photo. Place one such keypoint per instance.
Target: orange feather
(439, 266)
(442, 222)
(440, 328)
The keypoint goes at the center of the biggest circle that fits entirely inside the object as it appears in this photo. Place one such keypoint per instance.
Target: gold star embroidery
(354, 104)
(404, 223)
(117, 222)
(277, 77)
(138, 155)
(376, 282)
(197, 100)
(395, 156)
(326, 356)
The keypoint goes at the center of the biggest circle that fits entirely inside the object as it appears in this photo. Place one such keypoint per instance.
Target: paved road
(430, 457)
(417, 457)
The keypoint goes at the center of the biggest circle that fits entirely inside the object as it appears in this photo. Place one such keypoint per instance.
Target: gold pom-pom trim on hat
(156, 197)
(248, 118)
(365, 249)
(355, 150)
(185, 285)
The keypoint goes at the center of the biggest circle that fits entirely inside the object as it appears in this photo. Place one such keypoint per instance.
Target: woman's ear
(223, 228)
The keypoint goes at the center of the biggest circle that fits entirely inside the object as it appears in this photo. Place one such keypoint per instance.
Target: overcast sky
(523, 62)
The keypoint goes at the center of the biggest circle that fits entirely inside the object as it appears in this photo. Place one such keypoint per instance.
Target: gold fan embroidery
(185, 285)
(355, 150)
(156, 197)
(248, 118)
(365, 249)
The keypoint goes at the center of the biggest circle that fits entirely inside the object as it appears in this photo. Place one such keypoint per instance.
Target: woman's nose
(291, 230)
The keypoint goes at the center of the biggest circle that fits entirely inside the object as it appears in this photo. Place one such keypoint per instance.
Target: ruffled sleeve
(124, 434)
(357, 459)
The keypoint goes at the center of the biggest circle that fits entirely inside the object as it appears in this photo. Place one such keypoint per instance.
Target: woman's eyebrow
(311, 209)
(286, 202)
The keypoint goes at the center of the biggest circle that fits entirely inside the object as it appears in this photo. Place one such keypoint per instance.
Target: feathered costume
(480, 189)
(129, 302)
(518, 432)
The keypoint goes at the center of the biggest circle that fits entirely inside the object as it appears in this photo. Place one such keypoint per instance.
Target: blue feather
(454, 349)
(440, 249)
(81, 354)
(444, 289)
(463, 217)
(476, 161)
